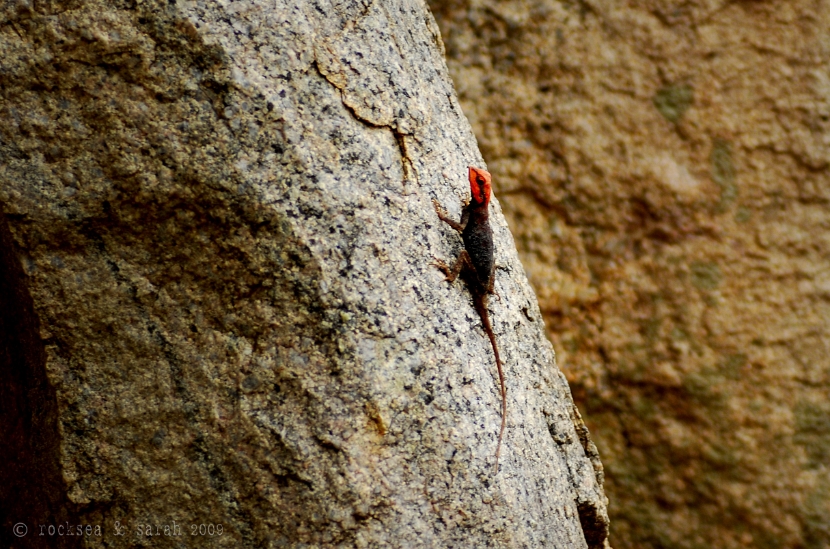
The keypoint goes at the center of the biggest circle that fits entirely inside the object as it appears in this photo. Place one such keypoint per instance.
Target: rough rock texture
(664, 170)
(217, 303)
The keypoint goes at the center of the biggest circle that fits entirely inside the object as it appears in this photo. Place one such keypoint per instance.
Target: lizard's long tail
(485, 317)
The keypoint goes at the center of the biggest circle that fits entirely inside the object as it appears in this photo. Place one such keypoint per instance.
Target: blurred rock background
(663, 167)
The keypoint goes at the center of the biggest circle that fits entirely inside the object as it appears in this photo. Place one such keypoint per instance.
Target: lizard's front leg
(443, 216)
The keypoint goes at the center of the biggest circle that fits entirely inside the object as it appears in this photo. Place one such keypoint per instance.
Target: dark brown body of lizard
(476, 265)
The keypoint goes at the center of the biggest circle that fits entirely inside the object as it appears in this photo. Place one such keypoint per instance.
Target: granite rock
(218, 308)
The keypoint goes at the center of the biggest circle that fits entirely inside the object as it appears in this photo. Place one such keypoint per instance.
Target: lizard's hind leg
(464, 260)
(491, 288)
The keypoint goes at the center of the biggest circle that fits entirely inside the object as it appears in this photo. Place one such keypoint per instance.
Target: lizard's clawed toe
(438, 207)
(441, 265)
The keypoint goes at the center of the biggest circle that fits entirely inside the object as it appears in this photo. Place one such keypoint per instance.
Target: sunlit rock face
(221, 325)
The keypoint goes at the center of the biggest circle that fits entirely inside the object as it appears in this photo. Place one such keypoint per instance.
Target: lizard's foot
(439, 209)
(491, 289)
(443, 266)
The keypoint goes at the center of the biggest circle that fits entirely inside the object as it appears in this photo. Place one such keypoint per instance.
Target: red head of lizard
(479, 186)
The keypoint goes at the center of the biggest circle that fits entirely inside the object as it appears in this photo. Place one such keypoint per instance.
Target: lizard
(476, 265)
